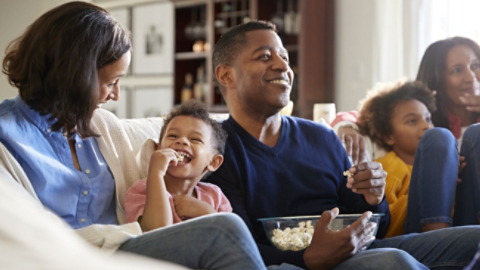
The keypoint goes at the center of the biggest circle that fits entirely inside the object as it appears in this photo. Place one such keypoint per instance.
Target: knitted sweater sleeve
(396, 192)
(228, 177)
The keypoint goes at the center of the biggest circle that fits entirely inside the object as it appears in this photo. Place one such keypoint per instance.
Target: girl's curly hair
(377, 109)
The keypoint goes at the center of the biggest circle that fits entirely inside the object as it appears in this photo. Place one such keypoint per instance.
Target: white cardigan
(119, 142)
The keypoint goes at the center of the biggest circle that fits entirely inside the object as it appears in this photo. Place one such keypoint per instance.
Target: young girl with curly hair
(421, 161)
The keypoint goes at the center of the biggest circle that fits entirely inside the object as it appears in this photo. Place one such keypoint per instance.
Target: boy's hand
(188, 206)
(330, 248)
(369, 180)
(161, 159)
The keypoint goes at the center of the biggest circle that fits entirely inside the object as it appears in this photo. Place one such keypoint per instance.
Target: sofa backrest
(141, 129)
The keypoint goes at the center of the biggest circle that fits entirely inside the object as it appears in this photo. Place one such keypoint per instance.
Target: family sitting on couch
(67, 163)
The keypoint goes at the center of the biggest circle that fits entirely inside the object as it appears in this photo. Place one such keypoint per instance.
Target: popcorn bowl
(295, 233)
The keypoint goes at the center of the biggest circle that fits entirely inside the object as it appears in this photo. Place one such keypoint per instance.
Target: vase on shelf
(187, 89)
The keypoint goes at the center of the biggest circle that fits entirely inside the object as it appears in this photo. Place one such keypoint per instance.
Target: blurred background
(338, 48)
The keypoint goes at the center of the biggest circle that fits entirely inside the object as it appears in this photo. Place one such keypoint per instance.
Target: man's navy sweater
(301, 175)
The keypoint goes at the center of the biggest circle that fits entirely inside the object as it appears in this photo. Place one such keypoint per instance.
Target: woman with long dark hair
(451, 67)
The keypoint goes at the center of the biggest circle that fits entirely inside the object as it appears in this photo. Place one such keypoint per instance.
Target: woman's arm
(346, 128)
(359, 148)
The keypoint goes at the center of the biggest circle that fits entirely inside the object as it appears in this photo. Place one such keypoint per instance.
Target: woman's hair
(432, 72)
(377, 109)
(55, 63)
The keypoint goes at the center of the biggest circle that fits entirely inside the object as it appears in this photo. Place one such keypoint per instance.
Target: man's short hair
(198, 110)
(231, 43)
(377, 109)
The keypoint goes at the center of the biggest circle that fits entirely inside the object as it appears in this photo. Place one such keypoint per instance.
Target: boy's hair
(198, 110)
(377, 109)
(230, 44)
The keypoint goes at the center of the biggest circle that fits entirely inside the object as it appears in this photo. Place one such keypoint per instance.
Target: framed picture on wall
(119, 107)
(123, 15)
(153, 38)
(152, 101)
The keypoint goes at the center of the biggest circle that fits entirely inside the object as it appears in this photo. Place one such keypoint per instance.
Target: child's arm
(157, 212)
(188, 206)
(396, 192)
(397, 200)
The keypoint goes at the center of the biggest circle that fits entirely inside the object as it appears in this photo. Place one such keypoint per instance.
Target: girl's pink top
(137, 195)
(350, 116)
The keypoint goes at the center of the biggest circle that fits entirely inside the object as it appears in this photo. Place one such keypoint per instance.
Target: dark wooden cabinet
(218, 16)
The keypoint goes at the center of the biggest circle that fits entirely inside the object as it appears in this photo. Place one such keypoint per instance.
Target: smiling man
(284, 166)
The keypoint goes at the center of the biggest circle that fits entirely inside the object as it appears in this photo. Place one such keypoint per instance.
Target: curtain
(405, 28)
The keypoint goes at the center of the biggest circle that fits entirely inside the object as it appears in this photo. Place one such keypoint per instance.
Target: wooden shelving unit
(219, 16)
(191, 55)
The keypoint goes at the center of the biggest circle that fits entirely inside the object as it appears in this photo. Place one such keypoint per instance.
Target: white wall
(354, 37)
(353, 52)
(15, 17)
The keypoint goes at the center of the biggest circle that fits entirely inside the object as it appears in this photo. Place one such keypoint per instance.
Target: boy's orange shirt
(396, 191)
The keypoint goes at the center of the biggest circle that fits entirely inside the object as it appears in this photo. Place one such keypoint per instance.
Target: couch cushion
(141, 129)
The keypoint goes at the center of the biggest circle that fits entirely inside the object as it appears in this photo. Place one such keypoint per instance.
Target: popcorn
(347, 173)
(294, 239)
(182, 155)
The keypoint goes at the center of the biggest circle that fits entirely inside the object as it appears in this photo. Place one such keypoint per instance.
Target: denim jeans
(433, 182)
(433, 185)
(450, 248)
(468, 211)
(381, 259)
(445, 249)
(220, 241)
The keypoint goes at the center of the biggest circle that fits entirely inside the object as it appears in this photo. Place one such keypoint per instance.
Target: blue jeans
(445, 249)
(381, 259)
(468, 211)
(433, 185)
(450, 248)
(220, 241)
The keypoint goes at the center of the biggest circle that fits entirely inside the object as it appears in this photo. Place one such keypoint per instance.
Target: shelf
(231, 14)
(220, 17)
(218, 109)
(291, 48)
(191, 55)
(188, 3)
